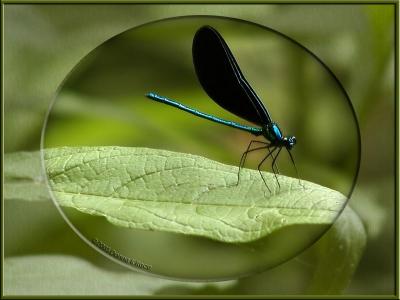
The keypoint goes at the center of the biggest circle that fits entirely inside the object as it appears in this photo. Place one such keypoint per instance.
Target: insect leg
(273, 166)
(270, 153)
(297, 172)
(244, 155)
(274, 161)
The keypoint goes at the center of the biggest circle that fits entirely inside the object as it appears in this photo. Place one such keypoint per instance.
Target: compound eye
(293, 140)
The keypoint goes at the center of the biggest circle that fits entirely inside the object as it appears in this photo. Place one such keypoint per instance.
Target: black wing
(220, 76)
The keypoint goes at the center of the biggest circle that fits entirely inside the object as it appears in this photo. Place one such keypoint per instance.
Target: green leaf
(338, 253)
(166, 191)
(333, 259)
(53, 275)
(23, 177)
(326, 268)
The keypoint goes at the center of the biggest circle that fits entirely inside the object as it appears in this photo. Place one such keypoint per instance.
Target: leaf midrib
(199, 204)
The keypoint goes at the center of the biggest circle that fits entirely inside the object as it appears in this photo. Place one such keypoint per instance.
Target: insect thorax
(273, 133)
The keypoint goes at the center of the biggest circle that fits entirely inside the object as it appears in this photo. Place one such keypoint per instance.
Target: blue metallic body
(253, 130)
(270, 131)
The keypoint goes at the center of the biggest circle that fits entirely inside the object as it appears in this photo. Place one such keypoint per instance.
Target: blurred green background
(102, 101)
